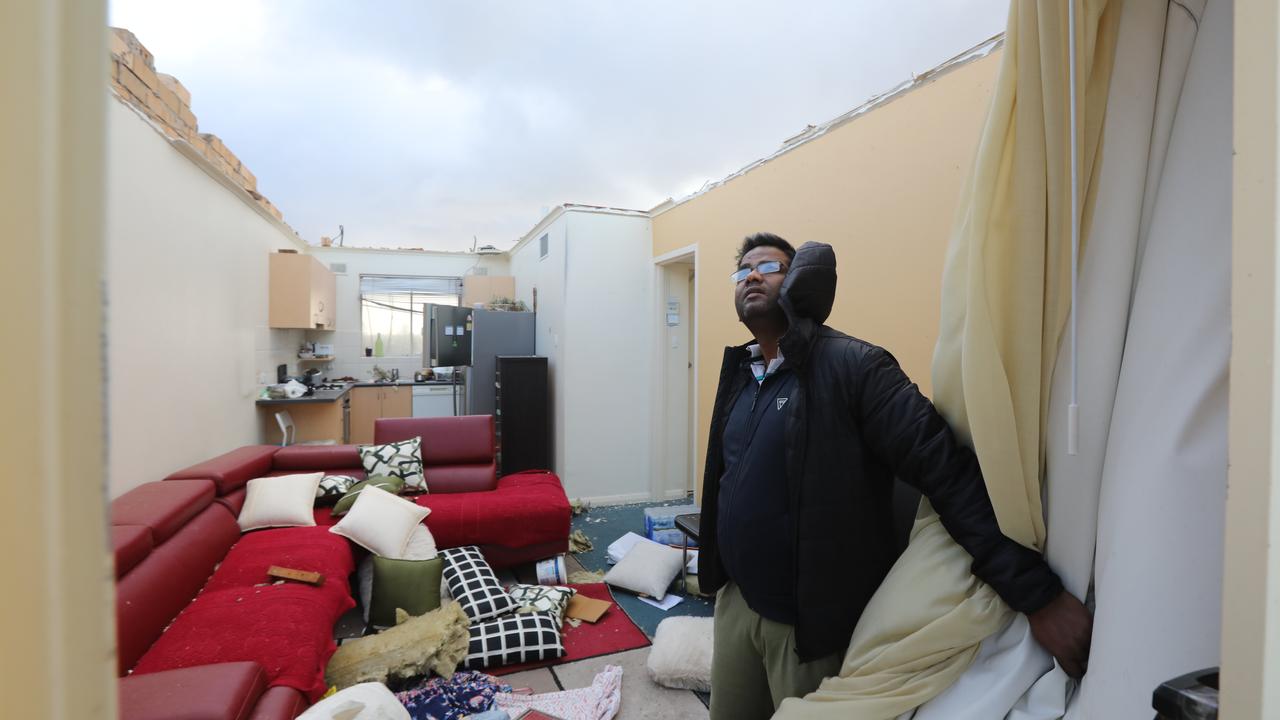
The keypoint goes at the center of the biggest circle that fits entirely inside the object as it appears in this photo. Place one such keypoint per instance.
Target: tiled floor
(642, 699)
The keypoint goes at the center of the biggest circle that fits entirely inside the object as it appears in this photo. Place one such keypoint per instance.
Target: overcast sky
(429, 123)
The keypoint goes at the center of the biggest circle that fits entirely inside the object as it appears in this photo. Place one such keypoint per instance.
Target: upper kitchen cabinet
(303, 293)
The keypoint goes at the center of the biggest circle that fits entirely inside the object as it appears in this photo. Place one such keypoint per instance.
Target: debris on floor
(579, 542)
(586, 577)
(578, 506)
(436, 641)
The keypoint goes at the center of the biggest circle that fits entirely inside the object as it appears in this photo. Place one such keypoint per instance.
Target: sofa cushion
(286, 628)
(279, 703)
(297, 458)
(400, 459)
(225, 691)
(463, 440)
(131, 543)
(234, 501)
(232, 470)
(461, 478)
(151, 595)
(526, 509)
(162, 506)
(311, 549)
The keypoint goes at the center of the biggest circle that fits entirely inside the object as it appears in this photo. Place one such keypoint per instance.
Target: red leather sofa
(516, 518)
(200, 632)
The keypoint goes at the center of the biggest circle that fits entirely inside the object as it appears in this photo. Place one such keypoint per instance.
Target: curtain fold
(1005, 300)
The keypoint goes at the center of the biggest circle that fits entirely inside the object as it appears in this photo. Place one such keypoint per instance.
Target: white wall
(186, 295)
(547, 275)
(595, 326)
(346, 339)
(672, 478)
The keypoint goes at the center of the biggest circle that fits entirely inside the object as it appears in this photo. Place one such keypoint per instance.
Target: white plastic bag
(366, 701)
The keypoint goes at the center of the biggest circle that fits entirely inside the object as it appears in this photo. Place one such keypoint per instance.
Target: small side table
(689, 525)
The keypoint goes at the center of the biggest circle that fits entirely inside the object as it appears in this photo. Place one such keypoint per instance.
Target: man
(809, 429)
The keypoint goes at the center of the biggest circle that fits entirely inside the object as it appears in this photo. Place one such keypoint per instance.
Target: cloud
(425, 124)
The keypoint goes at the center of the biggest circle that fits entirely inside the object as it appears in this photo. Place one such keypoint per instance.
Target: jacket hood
(807, 294)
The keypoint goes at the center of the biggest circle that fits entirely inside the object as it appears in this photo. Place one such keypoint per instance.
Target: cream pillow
(381, 522)
(646, 569)
(284, 501)
(681, 653)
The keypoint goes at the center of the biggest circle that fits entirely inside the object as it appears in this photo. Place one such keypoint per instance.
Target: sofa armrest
(279, 703)
(230, 471)
(226, 691)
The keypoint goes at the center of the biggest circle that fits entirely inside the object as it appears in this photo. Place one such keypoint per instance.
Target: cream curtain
(1006, 298)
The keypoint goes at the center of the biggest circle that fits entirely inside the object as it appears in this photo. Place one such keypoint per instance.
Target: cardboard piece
(585, 608)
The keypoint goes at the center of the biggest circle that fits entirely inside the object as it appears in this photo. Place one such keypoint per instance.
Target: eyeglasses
(764, 268)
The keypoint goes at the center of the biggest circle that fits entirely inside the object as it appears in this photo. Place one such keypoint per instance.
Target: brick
(176, 87)
(118, 41)
(147, 75)
(170, 98)
(186, 116)
(134, 85)
(248, 179)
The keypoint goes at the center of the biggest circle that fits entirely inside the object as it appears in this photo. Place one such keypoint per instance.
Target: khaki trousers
(754, 663)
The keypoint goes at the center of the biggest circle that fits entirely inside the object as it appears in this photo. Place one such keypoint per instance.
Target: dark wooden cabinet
(522, 414)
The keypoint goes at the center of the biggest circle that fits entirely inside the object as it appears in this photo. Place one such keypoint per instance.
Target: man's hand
(1064, 627)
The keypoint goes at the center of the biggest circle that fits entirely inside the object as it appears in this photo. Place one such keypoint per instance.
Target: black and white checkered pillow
(333, 487)
(472, 583)
(401, 459)
(514, 639)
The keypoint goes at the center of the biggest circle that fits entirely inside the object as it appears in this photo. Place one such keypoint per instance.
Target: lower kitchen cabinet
(370, 403)
(311, 421)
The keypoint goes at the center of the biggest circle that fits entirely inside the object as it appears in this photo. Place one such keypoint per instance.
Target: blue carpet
(605, 524)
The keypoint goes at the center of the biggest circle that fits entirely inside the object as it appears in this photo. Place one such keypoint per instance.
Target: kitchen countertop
(328, 396)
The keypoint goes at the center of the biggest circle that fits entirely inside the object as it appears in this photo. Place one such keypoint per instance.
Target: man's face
(757, 295)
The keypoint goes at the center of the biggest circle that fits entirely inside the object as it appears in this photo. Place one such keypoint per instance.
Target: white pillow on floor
(647, 569)
(681, 653)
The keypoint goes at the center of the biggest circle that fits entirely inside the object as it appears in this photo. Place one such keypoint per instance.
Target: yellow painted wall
(881, 189)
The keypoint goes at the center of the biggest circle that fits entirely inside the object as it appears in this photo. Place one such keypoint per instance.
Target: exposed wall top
(167, 103)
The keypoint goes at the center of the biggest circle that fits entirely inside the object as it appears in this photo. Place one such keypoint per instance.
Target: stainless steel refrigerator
(475, 338)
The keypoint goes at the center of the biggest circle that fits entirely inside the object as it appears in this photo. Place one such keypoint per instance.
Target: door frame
(657, 484)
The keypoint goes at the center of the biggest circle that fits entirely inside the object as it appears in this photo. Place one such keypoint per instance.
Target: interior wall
(545, 278)
(186, 306)
(346, 338)
(881, 189)
(607, 380)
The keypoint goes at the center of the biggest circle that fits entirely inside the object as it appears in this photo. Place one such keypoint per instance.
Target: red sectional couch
(203, 635)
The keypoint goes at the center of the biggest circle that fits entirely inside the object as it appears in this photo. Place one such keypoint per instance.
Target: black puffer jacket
(856, 421)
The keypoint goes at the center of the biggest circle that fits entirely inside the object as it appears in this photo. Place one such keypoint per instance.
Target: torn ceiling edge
(188, 151)
(813, 132)
(555, 212)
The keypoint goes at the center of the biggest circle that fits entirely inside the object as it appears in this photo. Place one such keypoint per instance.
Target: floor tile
(642, 699)
(541, 680)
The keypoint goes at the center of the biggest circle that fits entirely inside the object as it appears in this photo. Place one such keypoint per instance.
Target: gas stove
(330, 386)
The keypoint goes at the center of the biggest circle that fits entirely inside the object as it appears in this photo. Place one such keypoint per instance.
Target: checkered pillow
(400, 459)
(333, 487)
(514, 639)
(542, 598)
(472, 583)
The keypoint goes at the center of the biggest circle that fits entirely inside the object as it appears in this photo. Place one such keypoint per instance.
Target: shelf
(325, 358)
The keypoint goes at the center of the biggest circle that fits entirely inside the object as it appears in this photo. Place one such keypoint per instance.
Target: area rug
(613, 633)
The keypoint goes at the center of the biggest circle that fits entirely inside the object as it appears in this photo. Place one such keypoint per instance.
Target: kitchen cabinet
(312, 422)
(381, 401)
(303, 293)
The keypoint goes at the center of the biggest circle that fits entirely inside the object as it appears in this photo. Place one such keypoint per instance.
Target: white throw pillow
(647, 569)
(681, 653)
(284, 501)
(381, 522)
(366, 701)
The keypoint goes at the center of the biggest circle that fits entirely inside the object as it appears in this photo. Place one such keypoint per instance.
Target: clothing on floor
(466, 693)
(754, 664)
(600, 701)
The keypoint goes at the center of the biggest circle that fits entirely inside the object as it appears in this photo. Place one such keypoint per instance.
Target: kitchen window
(392, 306)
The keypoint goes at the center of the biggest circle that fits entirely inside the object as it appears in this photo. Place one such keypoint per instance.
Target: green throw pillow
(390, 484)
(411, 585)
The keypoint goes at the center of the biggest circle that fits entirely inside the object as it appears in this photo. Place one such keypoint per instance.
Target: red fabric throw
(613, 632)
(527, 508)
(288, 629)
(313, 549)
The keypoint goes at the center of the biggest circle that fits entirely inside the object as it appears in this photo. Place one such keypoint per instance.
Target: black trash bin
(1193, 696)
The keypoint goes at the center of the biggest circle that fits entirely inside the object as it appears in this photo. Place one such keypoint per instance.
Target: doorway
(675, 391)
